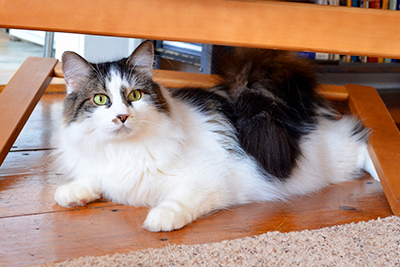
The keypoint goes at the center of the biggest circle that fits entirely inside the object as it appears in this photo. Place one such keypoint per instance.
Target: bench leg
(19, 98)
(384, 147)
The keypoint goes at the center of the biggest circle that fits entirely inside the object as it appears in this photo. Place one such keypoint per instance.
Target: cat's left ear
(142, 58)
(76, 69)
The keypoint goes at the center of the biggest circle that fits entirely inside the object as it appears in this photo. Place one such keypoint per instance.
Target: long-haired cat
(262, 134)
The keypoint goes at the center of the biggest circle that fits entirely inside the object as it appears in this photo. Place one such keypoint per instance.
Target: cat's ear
(75, 69)
(142, 58)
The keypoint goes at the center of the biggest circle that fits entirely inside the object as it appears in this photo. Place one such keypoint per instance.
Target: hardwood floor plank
(42, 123)
(99, 230)
(29, 188)
(26, 163)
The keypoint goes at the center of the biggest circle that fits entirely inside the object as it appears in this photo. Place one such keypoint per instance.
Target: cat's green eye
(135, 95)
(100, 99)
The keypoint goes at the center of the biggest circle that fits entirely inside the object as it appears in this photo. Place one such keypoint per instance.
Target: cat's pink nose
(123, 117)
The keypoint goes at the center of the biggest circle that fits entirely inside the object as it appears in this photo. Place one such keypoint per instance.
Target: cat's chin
(114, 134)
(122, 132)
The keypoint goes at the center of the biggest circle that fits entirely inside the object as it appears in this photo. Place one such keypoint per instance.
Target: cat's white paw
(73, 195)
(164, 219)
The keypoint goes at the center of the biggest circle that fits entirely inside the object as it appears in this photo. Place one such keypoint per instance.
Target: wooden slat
(265, 24)
(170, 78)
(19, 98)
(384, 141)
(58, 70)
(335, 93)
(56, 86)
(178, 79)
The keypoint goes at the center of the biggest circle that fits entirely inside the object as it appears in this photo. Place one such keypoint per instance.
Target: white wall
(36, 37)
(95, 48)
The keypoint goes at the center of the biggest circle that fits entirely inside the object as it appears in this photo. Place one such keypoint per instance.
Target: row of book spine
(379, 4)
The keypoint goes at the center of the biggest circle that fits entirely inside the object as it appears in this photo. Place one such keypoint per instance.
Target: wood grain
(179, 79)
(384, 140)
(103, 228)
(334, 93)
(20, 97)
(57, 85)
(264, 24)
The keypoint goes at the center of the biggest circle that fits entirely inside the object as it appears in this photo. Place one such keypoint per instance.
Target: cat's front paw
(164, 219)
(73, 195)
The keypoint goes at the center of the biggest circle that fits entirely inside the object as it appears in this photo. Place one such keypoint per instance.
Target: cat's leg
(181, 208)
(169, 215)
(78, 192)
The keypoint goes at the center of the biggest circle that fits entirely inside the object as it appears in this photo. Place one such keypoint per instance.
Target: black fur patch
(274, 103)
(361, 132)
(205, 100)
(211, 104)
(153, 89)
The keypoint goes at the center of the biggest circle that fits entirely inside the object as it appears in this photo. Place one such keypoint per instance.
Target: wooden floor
(34, 229)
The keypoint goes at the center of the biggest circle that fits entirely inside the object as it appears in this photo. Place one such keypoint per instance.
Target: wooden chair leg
(19, 98)
(384, 145)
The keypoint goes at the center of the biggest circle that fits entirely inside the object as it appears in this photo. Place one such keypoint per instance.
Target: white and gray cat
(262, 134)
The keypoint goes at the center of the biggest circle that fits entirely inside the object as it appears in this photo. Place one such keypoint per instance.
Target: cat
(262, 134)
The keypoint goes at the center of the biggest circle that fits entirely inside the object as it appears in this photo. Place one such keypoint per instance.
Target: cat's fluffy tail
(286, 126)
(369, 167)
(336, 151)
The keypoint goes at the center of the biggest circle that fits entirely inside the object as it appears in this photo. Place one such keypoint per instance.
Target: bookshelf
(361, 64)
(358, 67)
(193, 54)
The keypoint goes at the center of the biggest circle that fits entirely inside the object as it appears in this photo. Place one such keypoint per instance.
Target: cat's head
(114, 99)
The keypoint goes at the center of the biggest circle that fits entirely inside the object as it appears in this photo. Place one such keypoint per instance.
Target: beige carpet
(373, 243)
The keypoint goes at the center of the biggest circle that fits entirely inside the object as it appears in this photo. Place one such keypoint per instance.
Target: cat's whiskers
(149, 125)
(99, 73)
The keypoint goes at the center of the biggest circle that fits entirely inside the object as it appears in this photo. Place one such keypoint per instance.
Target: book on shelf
(377, 4)
(392, 5)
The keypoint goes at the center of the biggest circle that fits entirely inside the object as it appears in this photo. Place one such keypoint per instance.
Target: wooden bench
(264, 24)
